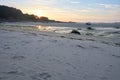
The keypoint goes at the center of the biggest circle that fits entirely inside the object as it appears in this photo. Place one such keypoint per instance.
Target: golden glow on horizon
(38, 13)
(75, 17)
(70, 10)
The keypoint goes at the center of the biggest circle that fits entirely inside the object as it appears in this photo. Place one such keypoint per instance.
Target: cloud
(74, 2)
(111, 6)
(112, 9)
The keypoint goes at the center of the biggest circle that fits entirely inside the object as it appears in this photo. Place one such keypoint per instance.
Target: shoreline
(105, 40)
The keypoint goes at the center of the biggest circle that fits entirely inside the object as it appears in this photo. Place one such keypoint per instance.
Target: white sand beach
(33, 55)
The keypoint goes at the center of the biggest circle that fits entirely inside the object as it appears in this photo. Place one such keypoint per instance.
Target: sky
(70, 10)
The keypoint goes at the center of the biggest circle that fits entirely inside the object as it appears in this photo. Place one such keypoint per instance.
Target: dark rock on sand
(117, 44)
(90, 28)
(88, 23)
(117, 27)
(75, 32)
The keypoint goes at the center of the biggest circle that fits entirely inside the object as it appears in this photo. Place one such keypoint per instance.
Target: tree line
(13, 14)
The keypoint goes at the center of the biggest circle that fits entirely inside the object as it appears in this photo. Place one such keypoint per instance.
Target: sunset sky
(70, 10)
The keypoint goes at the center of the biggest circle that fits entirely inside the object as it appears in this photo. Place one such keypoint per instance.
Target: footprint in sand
(94, 47)
(33, 34)
(103, 78)
(117, 56)
(41, 76)
(15, 73)
(18, 57)
(80, 46)
(11, 73)
(6, 47)
(39, 40)
(3, 78)
(53, 41)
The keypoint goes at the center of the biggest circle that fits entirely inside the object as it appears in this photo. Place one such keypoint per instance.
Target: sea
(111, 30)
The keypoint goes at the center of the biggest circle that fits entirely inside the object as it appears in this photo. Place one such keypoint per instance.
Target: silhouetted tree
(44, 19)
(10, 13)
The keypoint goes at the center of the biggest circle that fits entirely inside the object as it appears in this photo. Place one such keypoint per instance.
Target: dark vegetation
(13, 14)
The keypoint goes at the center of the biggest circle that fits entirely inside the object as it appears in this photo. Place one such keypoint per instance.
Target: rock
(117, 44)
(75, 32)
(89, 34)
(88, 23)
(117, 27)
(90, 28)
(116, 32)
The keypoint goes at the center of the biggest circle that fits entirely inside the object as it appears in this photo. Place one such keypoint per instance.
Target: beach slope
(31, 56)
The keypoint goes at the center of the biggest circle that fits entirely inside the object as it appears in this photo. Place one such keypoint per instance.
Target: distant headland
(11, 14)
